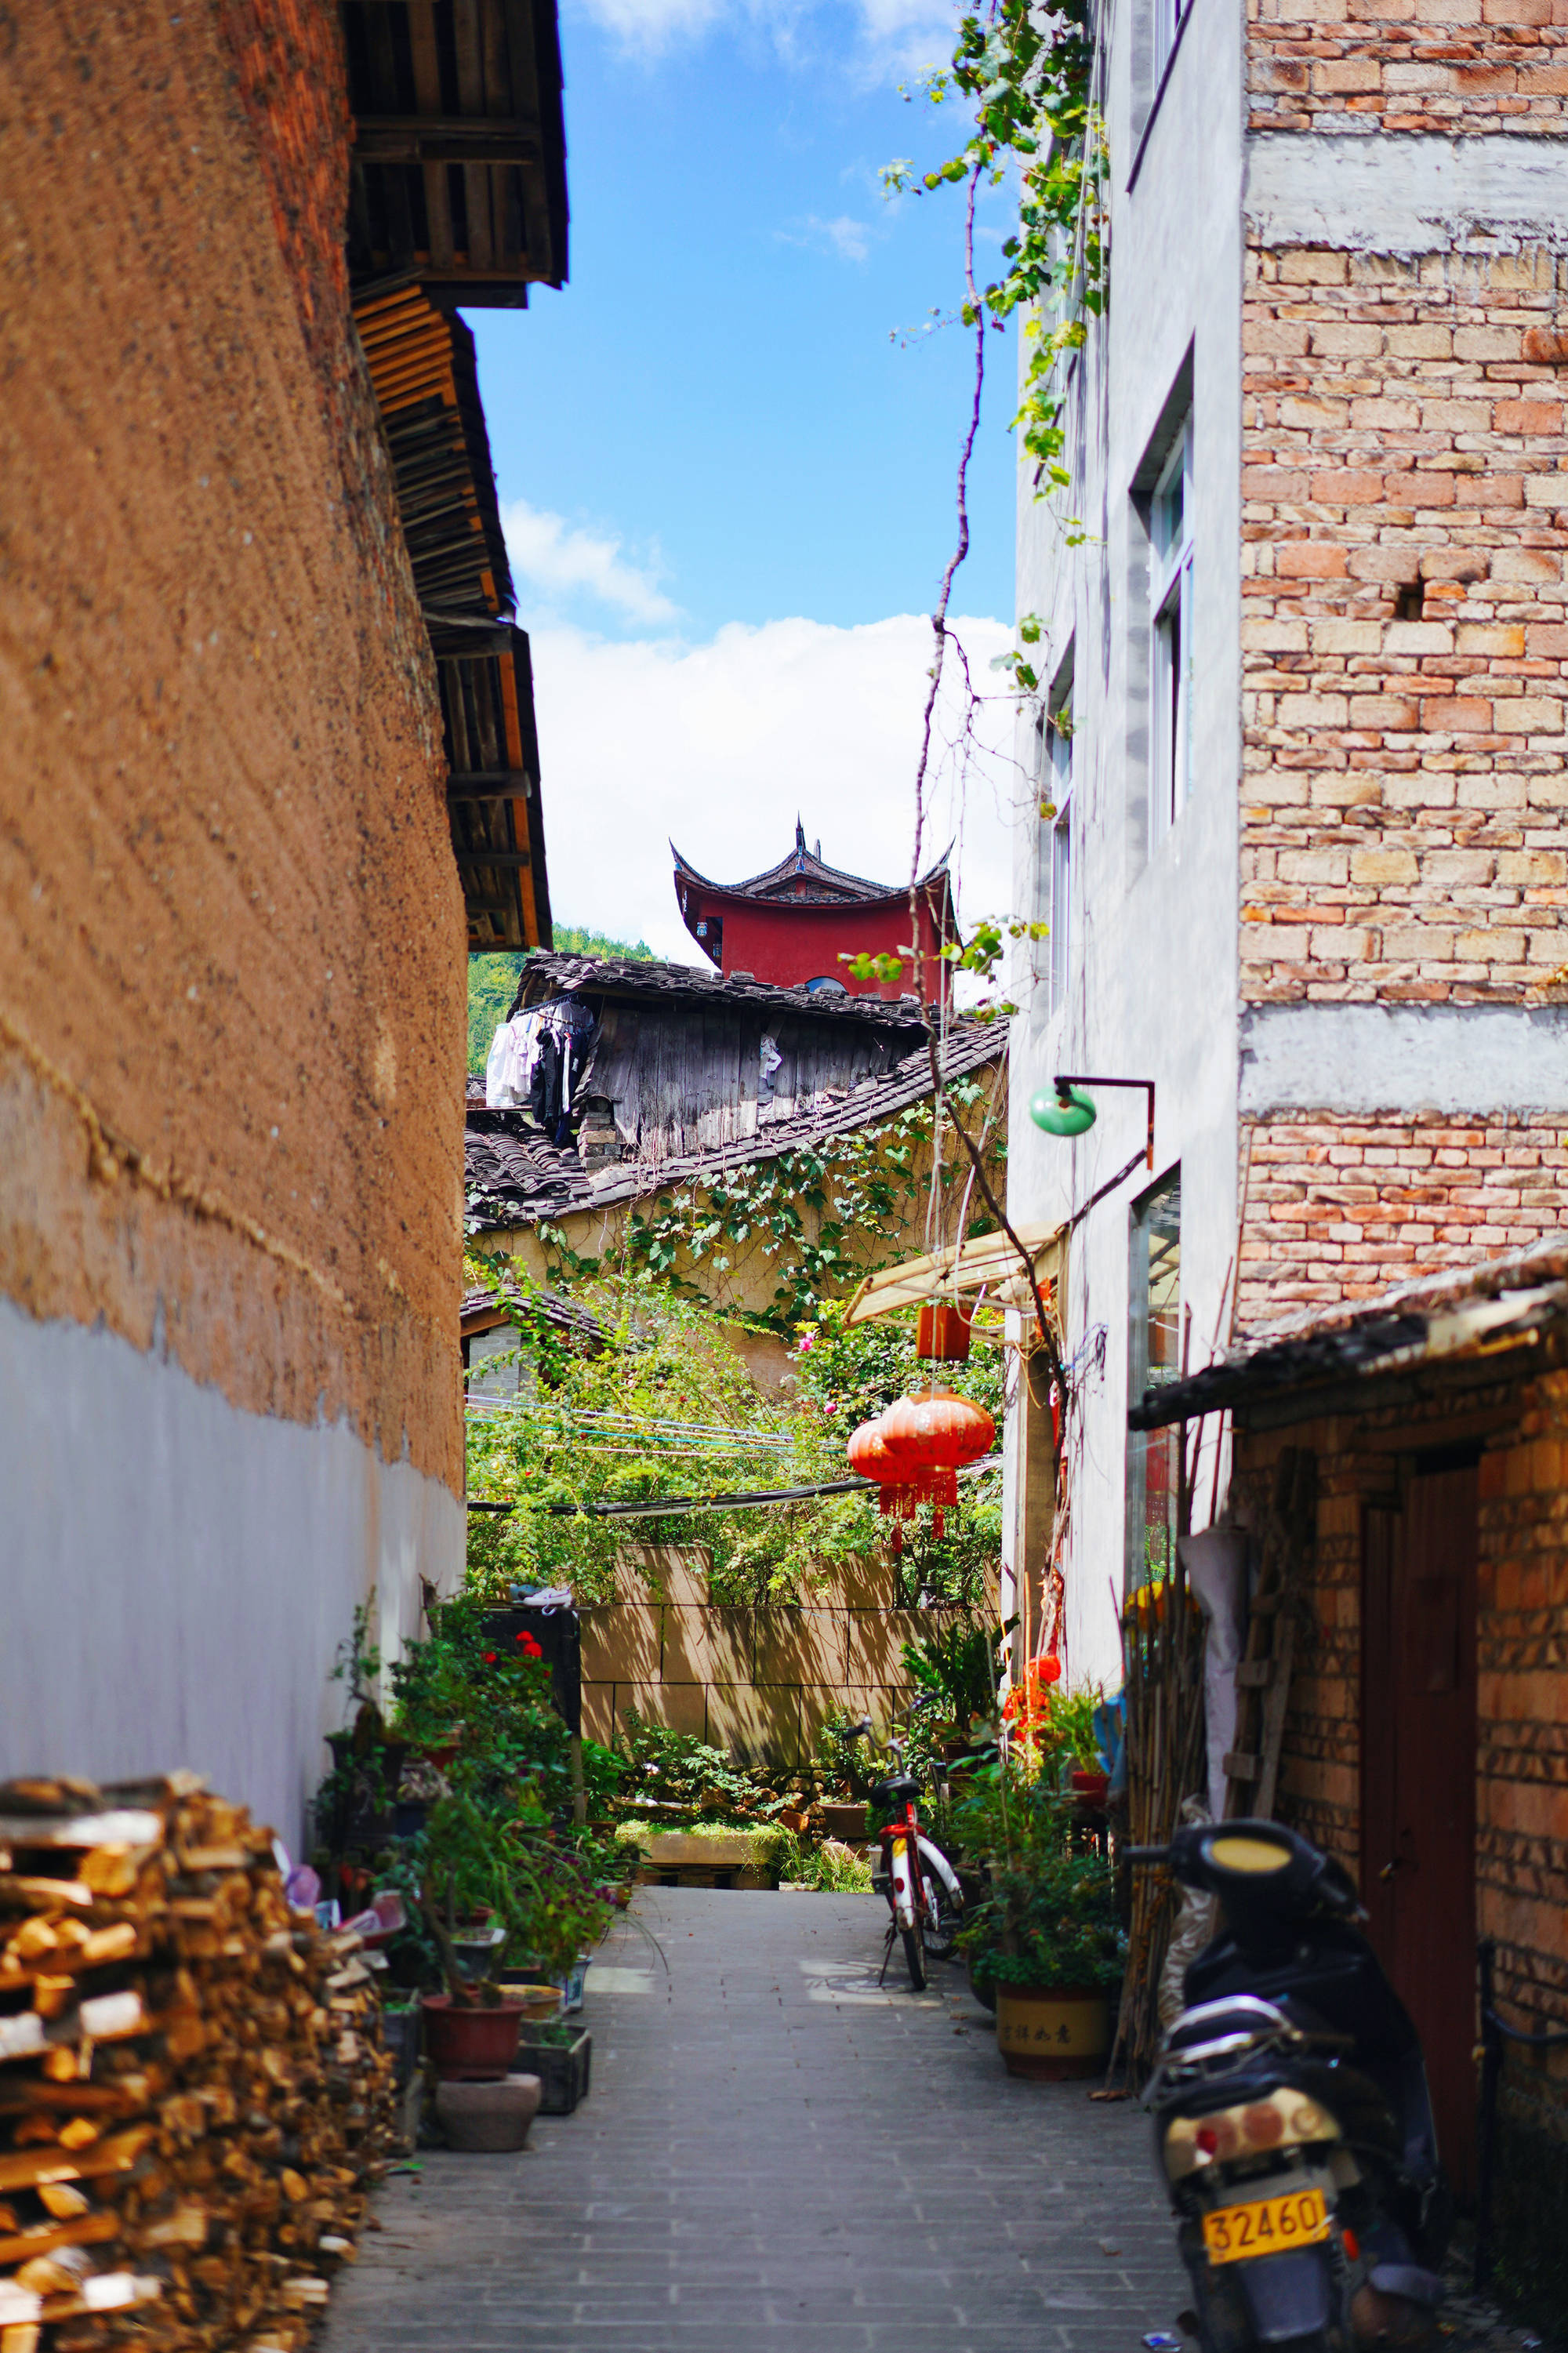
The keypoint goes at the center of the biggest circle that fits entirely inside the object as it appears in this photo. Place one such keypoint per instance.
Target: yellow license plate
(1271, 2226)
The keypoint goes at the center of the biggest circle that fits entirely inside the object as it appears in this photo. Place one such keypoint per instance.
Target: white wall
(1152, 985)
(175, 1575)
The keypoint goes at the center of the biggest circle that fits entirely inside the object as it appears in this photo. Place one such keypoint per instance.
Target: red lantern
(942, 1337)
(929, 1440)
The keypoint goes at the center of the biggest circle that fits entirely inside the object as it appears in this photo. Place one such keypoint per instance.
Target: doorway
(1418, 1779)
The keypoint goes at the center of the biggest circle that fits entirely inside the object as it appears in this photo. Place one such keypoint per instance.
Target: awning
(988, 1262)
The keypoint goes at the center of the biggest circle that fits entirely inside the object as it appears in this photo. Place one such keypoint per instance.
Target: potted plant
(1045, 1935)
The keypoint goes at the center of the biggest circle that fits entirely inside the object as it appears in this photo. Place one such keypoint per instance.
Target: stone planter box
(564, 2070)
(702, 1859)
(1052, 2032)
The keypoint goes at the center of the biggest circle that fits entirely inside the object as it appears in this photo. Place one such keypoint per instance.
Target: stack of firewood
(192, 2092)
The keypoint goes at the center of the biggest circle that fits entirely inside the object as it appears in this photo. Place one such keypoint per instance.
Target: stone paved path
(774, 2154)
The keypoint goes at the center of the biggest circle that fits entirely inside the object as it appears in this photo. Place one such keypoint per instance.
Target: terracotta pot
(1090, 1790)
(1050, 2032)
(473, 2045)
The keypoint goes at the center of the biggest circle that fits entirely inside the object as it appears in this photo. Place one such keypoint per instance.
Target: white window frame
(1052, 891)
(1058, 850)
(1170, 15)
(1171, 522)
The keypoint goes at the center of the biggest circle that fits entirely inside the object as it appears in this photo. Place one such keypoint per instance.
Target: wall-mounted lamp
(1069, 1111)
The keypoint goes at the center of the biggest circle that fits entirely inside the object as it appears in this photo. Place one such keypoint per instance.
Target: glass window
(1154, 1352)
(1052, 849)
(1169, 17)
(1171, 603)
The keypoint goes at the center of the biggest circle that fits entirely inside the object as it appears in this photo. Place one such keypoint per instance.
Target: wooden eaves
(988, 1262)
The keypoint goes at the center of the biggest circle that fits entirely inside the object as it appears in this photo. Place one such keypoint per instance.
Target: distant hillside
(492, 980)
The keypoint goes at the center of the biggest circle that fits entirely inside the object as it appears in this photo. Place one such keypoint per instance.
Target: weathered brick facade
(1522, 1787)
(1451, 66)
(1339, 1207)
(1405, 821)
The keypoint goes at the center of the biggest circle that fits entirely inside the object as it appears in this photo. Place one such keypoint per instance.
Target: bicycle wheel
(915, 1954)
(942, 1921)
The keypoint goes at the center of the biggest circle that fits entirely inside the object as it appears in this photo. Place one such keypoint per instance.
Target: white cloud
(893, 35)
(651, 25)
(564, 563)
(718, 745)
(849, 239)
(903, 35)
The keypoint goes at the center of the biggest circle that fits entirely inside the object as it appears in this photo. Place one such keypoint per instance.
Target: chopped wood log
(194, 2098)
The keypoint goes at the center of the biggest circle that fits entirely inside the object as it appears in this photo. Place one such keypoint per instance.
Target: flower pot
(1089, 1792)
(1050, 2032)
(473, 2045)
(563, 2069)
(846, 1822)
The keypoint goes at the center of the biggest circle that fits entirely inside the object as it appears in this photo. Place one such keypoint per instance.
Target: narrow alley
(776, 2151)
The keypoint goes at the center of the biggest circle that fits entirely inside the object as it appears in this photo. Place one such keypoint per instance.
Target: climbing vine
(1027, 80)
(649, 1397)
(824, 1215)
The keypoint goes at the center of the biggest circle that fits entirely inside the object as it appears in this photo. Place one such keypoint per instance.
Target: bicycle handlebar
(1145, 1855)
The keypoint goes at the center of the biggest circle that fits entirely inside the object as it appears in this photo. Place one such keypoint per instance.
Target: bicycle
(921, 1885)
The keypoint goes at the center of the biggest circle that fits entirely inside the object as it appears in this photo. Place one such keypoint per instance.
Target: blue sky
(710, 436)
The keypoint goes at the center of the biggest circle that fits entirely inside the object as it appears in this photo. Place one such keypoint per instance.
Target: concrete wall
(1152, 986)
(178, 1572)
(231, 933)
(760, 1683)
(1346, 965)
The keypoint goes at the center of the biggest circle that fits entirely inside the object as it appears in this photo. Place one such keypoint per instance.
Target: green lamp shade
(1059, 1118)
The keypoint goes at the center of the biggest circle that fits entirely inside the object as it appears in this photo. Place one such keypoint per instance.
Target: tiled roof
(515, 1177)
(481, 1311)
(802, 865)
(1431, 1316)
(645, 978)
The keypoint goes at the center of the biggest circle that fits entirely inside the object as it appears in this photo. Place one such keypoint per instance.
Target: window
(1154, 1357)
(1170, 15)
(1053, 847)
(1171, 603)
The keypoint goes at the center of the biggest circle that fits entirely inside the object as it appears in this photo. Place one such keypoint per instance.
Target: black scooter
(1293, 2127)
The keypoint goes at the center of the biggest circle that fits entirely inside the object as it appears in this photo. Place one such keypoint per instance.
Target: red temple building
(791, 926)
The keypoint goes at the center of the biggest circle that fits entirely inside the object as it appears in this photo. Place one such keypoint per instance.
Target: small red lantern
(942, 1336)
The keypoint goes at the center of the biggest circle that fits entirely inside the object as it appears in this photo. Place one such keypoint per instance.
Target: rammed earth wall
(231, 935)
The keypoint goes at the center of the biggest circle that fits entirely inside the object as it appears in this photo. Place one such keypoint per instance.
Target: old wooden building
(1425, 1740)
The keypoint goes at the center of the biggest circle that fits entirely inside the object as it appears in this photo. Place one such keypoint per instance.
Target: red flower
(531, 1649)
(489, 1658)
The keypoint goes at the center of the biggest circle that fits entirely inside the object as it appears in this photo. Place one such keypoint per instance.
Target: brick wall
(1452, 66)
(1339, 1207)
(1404, 820)
(231, 935)
(1521, 1766)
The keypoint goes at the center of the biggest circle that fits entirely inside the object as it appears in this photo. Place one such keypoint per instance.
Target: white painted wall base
(175, 1575)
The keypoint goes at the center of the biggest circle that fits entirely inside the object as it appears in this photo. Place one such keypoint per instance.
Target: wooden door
(1419, 1780)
